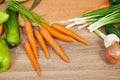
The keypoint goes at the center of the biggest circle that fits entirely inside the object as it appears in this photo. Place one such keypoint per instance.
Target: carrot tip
(48, 56)
(67, 60)
(39, 74)
(87, 43)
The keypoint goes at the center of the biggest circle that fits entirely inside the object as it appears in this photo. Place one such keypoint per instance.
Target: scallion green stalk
(99, 33)
(25, 12)
(112, 18)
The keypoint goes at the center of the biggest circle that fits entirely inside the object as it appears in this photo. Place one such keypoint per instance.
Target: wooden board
(87, 62)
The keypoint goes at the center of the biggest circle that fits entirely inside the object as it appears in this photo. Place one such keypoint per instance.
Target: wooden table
(87, 62)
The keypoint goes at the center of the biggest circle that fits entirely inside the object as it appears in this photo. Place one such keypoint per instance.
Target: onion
(109, 39)
(112, 53)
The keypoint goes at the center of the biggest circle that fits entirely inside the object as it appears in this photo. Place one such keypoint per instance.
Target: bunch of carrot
(47, 34)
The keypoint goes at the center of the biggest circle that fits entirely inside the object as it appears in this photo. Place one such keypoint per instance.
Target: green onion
(96, 19)
(99, 33)
(112, 18)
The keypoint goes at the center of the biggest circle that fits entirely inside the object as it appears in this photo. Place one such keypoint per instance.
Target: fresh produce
(30, 53)
(4, 56)
(25, 12)
(111, 41)
(42, 43)
(12, 28)
(68, 32)
(111, 18)
(58, 34)
(3, 17)
(29, 32)
(112, 46)
(28, 15)
(112, 29)
(112, 53)
(114, 2)
(96, 19)
(45, 34)
(1, 29)
(53, 44)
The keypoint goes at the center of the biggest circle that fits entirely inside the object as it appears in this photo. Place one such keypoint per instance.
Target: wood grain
(87, 62)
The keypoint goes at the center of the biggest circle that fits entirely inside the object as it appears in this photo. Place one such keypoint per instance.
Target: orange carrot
(99, 7)
(42, 43)
(66, 31)
(1, 29)
(53, 44)
(31, 38)
(57, 34)
(30, 53)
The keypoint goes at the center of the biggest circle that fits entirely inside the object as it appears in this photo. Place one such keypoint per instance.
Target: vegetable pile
(105, 15)
(45, 34)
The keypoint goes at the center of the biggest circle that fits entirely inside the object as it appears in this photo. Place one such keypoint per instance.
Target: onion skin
(112, 53)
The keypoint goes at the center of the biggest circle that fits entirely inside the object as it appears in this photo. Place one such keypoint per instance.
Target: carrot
(31, 38)
(30, 53)
(58, 34)
(99, 7)
(53, 44)
(66, 31)
(42, 43)
(1, 29)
